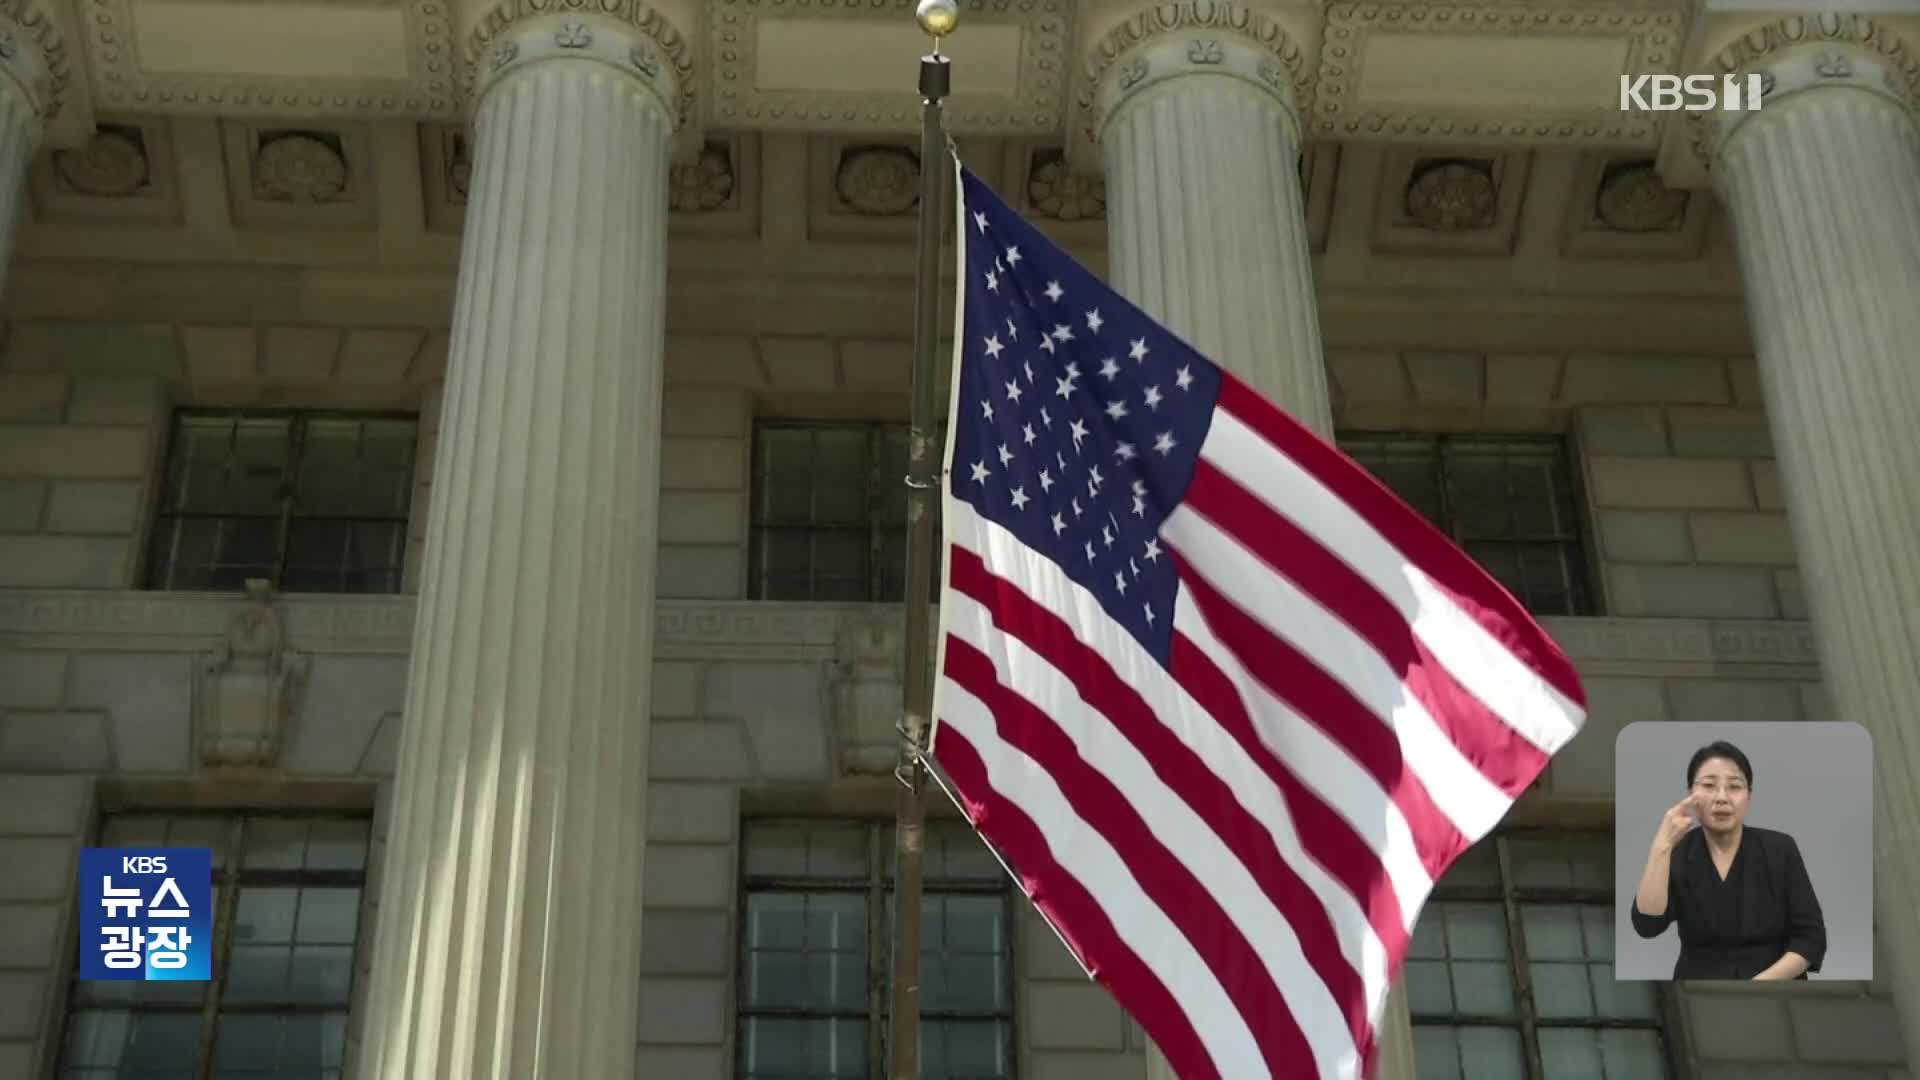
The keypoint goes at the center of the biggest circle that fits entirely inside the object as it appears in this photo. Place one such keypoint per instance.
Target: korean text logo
(1691, 93)
(146, 914)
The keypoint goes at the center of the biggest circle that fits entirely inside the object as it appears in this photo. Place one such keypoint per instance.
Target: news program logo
(146, 914)
(1691, 93)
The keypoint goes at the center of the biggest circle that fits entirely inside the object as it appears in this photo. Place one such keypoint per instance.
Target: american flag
(1227, 706)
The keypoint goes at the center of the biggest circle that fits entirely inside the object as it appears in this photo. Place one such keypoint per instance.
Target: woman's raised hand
(1676, 823)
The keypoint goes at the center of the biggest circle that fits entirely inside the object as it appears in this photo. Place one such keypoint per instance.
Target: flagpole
(937, 18)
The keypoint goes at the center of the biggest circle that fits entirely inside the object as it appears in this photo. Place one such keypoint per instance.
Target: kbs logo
(1691, 93)
(146, 914)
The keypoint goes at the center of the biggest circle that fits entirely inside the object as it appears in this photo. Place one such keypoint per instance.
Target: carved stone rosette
(113, 164)
(1194, 37)
(246, 693)
(1056, 191)
(705, 183)
(627, 35)
(878, 181)
(1804, 53)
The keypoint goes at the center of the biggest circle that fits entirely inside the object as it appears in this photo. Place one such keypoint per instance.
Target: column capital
(33, 56)
(625, 35)
(1806, 54)
(1192, 37)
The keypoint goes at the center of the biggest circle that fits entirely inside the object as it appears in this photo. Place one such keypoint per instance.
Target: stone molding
(34, 55)
(1801, 53)
(643, 47)
(1211, 37)
(1033, 104)
(123, 621)
(1652, 38)
(120, 83)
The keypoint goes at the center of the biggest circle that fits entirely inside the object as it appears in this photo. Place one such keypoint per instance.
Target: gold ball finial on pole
(937, 17)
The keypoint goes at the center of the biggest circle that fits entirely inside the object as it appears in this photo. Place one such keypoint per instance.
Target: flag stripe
(1346, 491)
(1118, 733)
(1483, 739)
(1199, 908)
(1279, 616)
(1345, 822)
(1325, 735)
(1077, 879)
(1339, 862)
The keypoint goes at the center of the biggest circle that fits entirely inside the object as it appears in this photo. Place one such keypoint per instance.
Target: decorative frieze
(374, 75)
(1388, 71)
(117, 621)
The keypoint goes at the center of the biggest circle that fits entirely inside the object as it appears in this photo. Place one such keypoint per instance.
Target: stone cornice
(89, 620)
(34, 53)
(1646, 36)
(122, 81)
(1813, 51)
(666, 53)
(1114, 65)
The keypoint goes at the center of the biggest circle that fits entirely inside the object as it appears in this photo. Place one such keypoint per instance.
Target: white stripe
(1323, 766)
(1458, 788)
(1086, 855)
(1347, 788)
(1187, 836)
(1528, 703)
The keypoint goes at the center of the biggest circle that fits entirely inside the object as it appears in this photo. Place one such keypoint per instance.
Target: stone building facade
(642, 549)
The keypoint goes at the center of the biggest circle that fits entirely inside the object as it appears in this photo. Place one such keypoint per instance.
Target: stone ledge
(123, 621)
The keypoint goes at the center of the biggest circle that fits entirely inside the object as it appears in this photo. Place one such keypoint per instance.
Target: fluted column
(1195, 112)
(1823, 186)
(27, 96)
(1206, 226)
(507, 941)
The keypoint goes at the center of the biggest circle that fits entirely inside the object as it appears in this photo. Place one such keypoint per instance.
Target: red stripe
(1326, 836)
(1072, 909)
(1471, 587)
(1328, 705)
(1250, 840)
(1501, 754)
(1166, 881)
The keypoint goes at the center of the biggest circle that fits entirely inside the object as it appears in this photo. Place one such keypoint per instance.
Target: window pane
(1602, 1054)
(965, 1049)
(964, 962)
(803, 1049)
(1429, 988)
(230, 478)
(806, 951)
(274, 844)
(829, 512)
(1561, 861)
(1409, 467)
(1477, 493)
(1468, 1053)
(818, 851)
(285, 1045)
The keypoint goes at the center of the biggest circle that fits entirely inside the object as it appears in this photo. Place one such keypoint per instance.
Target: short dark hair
(1719, 748)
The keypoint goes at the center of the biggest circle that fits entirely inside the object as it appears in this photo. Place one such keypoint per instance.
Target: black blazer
(1737, 928)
